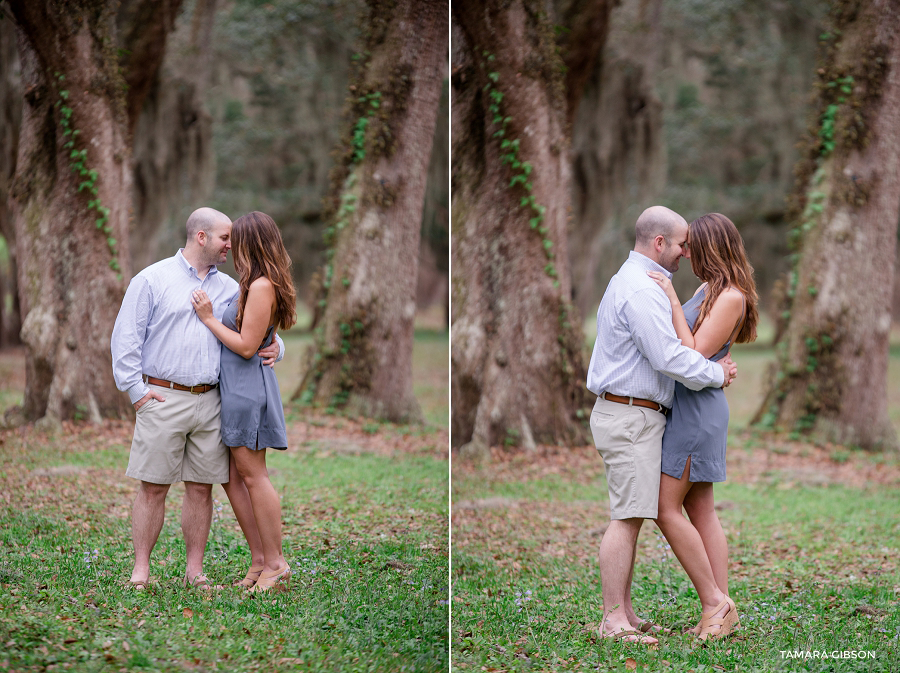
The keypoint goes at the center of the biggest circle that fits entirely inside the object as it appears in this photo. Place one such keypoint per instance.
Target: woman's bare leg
(239, 497)
(685, 540)
(700, 508)
(251, 465)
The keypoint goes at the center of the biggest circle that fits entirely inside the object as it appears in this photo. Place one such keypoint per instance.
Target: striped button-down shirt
(158, 333)
(637, 352)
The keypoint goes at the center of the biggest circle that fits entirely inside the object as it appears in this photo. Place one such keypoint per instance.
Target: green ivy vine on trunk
(78, 164)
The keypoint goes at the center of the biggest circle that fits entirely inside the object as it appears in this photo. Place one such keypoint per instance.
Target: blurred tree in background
(830, 379)
(362, 356)
(10, 121)
(277, 95)
(696, 105)
(71, 193)
(172, 141)
(279, 84)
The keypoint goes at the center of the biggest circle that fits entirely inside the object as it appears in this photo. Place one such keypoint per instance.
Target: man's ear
(659, 243)
(201, 237)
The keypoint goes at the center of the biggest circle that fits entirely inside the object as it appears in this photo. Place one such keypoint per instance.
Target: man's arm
(127, 342)
(648, 314)
(272, 353)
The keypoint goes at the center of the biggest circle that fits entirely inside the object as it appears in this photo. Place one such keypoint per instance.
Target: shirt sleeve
(127, 343)
(648, 314)
(280, 348)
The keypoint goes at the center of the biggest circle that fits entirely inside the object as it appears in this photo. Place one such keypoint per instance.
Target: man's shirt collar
(186, 265)
(647, 264)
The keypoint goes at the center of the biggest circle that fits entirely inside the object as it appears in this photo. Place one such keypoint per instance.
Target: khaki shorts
(629, 439)
(179, 439)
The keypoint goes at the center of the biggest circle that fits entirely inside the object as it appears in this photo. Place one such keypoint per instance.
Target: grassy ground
(814, 537)
(365, 530)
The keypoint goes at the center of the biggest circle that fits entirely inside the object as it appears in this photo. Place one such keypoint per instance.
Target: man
(168, 363)
(634, 365)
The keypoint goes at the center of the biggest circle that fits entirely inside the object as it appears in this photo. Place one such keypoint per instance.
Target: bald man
(168, 363)
(634, 365)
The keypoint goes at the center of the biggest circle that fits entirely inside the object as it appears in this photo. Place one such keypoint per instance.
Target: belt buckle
(197, 392)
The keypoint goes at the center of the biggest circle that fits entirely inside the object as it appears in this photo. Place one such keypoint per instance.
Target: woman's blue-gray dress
(252, 414)
(697, 425)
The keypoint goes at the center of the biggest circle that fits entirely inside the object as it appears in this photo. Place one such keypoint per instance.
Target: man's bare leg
(617, 550)
(633, 619)
(147, 516)
(196, 517)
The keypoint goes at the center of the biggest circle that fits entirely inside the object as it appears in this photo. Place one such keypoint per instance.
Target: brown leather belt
(636, 401)
(196, 390)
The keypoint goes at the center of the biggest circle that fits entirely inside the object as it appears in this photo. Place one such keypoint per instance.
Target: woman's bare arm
(716, 327)
(678, 319)
(720, 323)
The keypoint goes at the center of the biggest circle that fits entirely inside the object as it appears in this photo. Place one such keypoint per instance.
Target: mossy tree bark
(517, 363)
(362, 356)
(830, 379)
(71, 225)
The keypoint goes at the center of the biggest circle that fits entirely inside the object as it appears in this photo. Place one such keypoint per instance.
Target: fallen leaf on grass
(188, 613)
(630, 664)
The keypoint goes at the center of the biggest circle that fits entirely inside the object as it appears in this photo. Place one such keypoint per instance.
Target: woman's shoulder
(731, 299)
(262, 284)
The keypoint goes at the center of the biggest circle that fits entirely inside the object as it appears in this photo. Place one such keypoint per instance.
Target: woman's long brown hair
(719, 259)
(259, 252)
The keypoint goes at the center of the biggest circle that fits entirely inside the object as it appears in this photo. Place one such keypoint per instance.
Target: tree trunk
(10, 120)
(830, 380)
(517, 363)
(362, 356)
(70, 200)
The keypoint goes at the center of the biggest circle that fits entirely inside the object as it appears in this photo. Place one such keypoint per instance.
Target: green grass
(813, 538)
(365, 534)
(812, 569)
(365, 531)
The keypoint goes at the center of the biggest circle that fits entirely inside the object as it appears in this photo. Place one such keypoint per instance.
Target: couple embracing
(194, 350)
(661, 419)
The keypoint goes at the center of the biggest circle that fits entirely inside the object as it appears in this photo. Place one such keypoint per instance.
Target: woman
(722, 311)
(252, 415)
